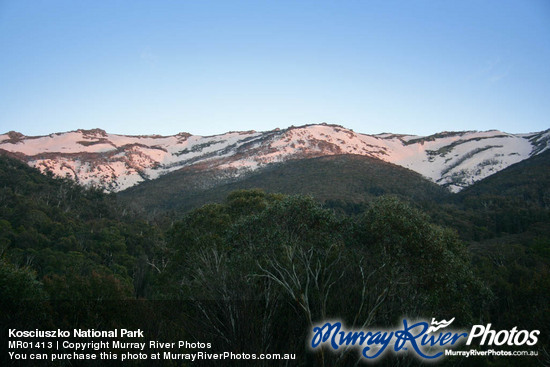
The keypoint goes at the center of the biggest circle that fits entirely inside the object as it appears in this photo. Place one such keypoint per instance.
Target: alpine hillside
(454, 160)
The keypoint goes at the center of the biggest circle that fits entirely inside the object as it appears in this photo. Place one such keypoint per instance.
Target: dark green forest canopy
(481, 255)
(63, 231)
(343, 182)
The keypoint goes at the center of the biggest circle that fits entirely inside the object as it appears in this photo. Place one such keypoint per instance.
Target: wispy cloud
(148, 57)
(498, 70)
(493, 71)
(501, 73)
(490, 66)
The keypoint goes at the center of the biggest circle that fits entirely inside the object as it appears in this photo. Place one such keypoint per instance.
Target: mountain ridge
(335, 180)
(454, 160)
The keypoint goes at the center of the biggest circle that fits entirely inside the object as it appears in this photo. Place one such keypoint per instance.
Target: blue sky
(207, 67)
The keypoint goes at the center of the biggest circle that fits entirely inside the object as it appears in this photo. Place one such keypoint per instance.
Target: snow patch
(117, 162)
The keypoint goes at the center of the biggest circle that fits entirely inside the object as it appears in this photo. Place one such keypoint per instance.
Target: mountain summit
(116, 162)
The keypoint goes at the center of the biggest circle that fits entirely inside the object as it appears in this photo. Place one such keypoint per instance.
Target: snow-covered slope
(116, 162)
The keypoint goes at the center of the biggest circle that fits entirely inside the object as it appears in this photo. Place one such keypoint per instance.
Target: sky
(208, 67)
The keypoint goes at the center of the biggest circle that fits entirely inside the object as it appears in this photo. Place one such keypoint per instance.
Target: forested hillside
(66, 233)
(345, 182)
(255, 271)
